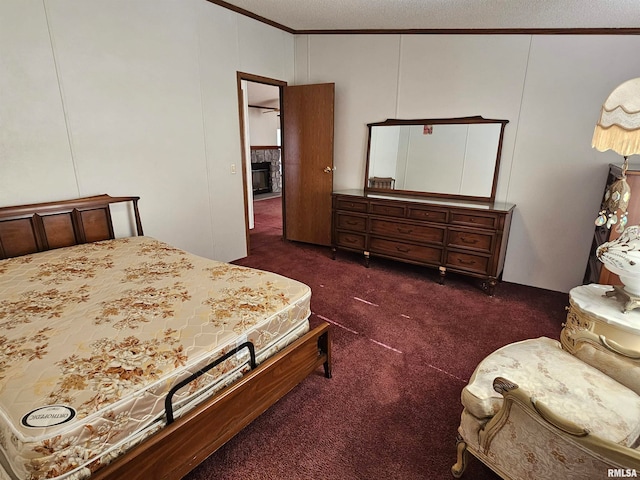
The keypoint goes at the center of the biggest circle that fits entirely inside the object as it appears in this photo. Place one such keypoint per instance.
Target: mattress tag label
(48, 416)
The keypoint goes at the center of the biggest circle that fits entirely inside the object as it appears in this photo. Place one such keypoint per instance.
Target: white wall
(133, 98)
(447, 147)
(139, 98)
(263, 127)
(385, 152)
(35, 157)
(550, 88)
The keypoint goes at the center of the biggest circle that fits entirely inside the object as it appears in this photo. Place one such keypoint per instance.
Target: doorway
(263, 158)
(306, 158)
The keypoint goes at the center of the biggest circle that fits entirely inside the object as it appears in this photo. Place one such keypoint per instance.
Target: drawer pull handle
(405, 230)
(352, 222)
(350, 240)
(468, 241)
(403, 249)
(470, 262)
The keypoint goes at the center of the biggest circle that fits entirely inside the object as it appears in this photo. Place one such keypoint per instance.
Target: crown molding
(477, 31)
(249, 14)
(435, 31)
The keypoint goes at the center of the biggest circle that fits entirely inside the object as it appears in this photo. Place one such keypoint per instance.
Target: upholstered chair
(534, 411)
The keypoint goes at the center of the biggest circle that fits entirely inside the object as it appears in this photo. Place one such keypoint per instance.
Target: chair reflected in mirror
(382, 182)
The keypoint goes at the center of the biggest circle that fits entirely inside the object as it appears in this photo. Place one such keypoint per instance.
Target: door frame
(240, 76)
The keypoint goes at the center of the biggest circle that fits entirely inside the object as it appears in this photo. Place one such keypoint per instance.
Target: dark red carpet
(403, 349)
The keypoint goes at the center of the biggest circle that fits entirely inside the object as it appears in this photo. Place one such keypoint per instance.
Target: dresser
(596, 272)
(469, 238)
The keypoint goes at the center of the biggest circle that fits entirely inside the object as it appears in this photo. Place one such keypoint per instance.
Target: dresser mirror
(456, 158)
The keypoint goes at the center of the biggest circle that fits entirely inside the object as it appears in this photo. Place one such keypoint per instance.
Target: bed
(130, 358)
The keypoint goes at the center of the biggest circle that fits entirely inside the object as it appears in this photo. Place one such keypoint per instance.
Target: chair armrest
(542, 421)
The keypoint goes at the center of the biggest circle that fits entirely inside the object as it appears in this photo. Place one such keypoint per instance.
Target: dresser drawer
(354, 223)
(387, 209)
(342, 203)
(467, 261)
(428, 214)
(482, 242)
(408, 231)
(488, 220)
(350, 240)
(419, 253)
(468, 238)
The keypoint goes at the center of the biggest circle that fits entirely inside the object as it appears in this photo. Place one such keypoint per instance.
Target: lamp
(618, 129)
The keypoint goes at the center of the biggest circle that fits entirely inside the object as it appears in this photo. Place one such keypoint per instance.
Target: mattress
(93, 336)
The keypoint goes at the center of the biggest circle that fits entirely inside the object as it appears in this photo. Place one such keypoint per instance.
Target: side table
(600, 334)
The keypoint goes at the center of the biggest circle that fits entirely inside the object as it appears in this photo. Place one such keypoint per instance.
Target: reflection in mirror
(456, 157)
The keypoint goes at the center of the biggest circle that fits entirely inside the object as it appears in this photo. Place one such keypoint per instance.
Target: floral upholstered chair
(534, 411)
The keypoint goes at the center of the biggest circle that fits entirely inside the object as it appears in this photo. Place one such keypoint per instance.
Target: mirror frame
(436, 121)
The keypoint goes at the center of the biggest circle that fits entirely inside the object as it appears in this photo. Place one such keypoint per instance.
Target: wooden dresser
(465, 237)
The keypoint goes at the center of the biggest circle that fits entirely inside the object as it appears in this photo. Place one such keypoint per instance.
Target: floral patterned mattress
(93, 336)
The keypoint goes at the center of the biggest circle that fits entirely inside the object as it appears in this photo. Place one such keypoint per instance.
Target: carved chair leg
(458, 468)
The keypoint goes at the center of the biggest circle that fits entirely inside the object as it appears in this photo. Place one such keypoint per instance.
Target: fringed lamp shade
(618, 128)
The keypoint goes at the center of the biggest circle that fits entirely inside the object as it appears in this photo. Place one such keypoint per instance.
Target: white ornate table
(599, 333)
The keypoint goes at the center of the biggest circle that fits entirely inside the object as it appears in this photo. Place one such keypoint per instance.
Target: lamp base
(630, 301)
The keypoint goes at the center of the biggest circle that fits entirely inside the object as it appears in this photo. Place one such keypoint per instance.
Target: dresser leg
(366, 259)
(333, 253)
(490, 286)
(443, 273)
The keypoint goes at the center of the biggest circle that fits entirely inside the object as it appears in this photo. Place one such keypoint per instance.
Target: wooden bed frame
(177, 448)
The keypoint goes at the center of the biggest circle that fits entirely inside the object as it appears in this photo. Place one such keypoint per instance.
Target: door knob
(327, 169)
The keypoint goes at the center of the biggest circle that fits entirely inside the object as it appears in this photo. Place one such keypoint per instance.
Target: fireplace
(261, 177)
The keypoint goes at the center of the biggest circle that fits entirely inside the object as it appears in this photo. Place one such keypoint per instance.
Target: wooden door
(308, 162)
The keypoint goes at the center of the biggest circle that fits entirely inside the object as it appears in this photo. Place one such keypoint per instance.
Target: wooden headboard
(26, 229)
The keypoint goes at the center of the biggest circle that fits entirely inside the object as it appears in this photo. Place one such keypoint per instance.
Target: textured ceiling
(445, 14)
(261, 94)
